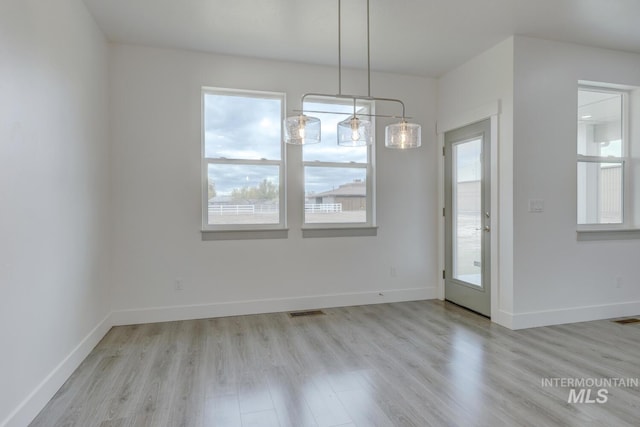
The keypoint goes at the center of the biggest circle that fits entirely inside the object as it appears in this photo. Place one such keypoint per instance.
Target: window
(338, 181)
(243, 160)
(603, 151)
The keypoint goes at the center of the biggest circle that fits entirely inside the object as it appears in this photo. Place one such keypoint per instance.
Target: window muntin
(338, 181)
(602, 148)
(243, 160)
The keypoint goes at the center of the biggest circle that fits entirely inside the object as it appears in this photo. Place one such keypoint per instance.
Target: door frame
(489, 111)
(475, 298)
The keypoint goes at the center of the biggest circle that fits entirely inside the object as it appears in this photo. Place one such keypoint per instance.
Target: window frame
(624, 160)
(340, 229)
(243, 231)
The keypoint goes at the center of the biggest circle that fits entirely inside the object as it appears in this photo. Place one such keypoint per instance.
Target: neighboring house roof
(352, 189)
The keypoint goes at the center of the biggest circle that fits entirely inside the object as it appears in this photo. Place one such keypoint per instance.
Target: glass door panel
(467, 211)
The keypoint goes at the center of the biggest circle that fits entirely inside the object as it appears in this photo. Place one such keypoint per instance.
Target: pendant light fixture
(402, 135)
(302, 129)
(355, 131)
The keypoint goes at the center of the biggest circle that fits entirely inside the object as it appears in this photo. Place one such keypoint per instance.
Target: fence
(322, 207)
(260, 209)
(242, 209)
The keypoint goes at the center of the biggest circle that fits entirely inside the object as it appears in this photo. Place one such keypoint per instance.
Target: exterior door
(467, 217)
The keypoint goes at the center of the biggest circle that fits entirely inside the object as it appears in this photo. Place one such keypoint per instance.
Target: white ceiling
(420, 37)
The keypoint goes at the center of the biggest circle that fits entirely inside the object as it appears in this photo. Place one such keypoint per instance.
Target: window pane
(467, 216)
(599, 123)
(600, 193)
(243, 194)
(328, 149)
(242, 127)
(335, 195)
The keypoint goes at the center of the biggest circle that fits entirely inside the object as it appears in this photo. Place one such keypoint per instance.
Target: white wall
(156, 120)
(463, 96)
(557, 278)
(54, 226)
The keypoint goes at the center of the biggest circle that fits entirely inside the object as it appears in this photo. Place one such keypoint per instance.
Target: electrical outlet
(619, 282)
(536, 206)
(179, 285)
(392, 272)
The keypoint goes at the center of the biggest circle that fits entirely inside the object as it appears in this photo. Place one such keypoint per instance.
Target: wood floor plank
(253, 392)
(267, 418)
(222, 411)
(153, 399)
(422, 363)
(287, 393)
(187, 400)
(324, 403)
(220, 368)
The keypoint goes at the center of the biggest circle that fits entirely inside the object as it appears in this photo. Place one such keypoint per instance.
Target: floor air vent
(306, 313)
(627, 321)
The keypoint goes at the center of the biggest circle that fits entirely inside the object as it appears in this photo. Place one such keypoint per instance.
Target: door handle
(487, 228)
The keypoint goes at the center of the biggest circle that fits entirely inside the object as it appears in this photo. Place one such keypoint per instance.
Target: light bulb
(301, 126)
(355, 124)
(403, 134)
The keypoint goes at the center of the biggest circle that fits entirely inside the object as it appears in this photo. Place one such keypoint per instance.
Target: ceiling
(419, 37)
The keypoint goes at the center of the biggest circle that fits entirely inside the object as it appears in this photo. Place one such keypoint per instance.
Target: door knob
(487, 228)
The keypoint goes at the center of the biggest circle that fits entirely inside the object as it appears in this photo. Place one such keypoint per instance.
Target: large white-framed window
(603, 158)
(339, 182)
(243, 160)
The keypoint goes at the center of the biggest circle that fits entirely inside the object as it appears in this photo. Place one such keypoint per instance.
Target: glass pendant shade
(403, 135)
(301, 130)
(354, 132)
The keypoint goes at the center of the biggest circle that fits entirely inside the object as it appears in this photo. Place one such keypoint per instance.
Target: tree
(266, 190)
(212, 190)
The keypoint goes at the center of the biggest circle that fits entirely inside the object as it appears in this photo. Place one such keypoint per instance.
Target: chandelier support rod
(339, 46)
(368, 51)
(368, 48)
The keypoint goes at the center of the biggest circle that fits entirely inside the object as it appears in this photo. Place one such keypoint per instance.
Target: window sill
(210, 235)
(317, 232)
(611, 234)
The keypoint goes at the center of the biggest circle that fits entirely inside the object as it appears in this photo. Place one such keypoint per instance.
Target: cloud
(238, 127)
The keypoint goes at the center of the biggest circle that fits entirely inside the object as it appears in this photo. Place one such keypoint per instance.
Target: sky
(468, 160)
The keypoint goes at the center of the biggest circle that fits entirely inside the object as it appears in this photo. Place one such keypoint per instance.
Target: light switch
(536, 206)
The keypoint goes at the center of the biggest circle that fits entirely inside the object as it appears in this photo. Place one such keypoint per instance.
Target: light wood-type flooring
(425, 363)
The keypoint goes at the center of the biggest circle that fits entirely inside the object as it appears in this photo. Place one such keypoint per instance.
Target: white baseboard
(42, 394)
(204, 311)
(571, 315)
(503, 318)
